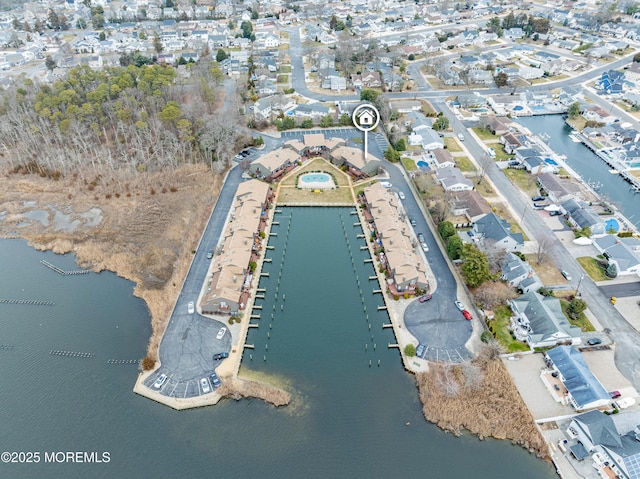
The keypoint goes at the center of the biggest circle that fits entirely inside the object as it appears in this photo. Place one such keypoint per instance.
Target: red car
(425, 297)
(467, 315)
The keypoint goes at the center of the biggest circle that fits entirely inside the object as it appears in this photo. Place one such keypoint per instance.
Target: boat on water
(574, 138)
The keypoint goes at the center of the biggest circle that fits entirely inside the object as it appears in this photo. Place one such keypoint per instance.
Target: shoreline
(123, 264)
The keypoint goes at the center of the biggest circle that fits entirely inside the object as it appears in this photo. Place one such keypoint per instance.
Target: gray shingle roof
(583, 386)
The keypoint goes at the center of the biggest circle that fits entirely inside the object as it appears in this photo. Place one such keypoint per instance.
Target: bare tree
(447, 382)
(542, 250)
(484, 162)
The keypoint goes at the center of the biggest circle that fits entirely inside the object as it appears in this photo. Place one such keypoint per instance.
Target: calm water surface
(347, 418)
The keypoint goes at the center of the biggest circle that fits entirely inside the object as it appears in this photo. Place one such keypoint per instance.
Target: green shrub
(410, 350)
(486, 336)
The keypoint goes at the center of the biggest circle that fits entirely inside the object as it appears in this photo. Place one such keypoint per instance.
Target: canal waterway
(590, 167)
(347, 419)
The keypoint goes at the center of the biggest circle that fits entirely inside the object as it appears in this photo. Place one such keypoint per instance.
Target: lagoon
(346, 420)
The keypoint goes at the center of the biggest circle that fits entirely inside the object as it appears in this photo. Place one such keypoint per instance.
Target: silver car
(459, 305)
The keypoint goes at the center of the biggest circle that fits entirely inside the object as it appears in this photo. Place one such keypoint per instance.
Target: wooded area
(133, 118)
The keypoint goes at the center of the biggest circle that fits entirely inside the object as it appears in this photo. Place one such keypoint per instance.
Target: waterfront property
(540, 322)
(232, 274)
(583, 390)
(623, 252)
(612, 441)
(404, 267)
(581, 215)
(274, 164)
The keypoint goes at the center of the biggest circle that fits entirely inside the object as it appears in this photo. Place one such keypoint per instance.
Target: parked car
(204, 384)
(460, 137)
(459, 305)
(219, 356)
(215, 380)
(538, 198)
(513, 163)
(413, 221)
(555, 213)
(401, 195)
(221, 332)
(425, 297)
(160, 381)
(615, 394)
(566, 275)
(424, 247)
(210, 254)
(385, 184)
(467, 315)
(421, 237)
(538, 206)
(191, 307)
(594, 341)
(420, 350)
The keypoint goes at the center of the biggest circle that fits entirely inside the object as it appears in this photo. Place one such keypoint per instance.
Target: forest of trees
(136, 117)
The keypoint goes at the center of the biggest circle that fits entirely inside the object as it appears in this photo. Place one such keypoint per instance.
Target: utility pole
(578, 287)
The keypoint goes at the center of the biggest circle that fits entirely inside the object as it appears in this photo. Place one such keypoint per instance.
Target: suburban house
(491, 231)
(404, 267)
(536, 165)
(623, 252)
(613, 442)
(511, 142)
(274, 162)
(581, 215)
(452, 179)
(584, 391)
(469, 203)
(232, 274)
(558, 189)
(544, 321)
(428, 138)
(442, 158)
(315, 111)
(498, 125)
(519, 274)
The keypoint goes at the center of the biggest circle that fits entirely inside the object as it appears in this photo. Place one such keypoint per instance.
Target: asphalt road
(621, 290)
(189, 341)
(437, 324)
(627, 339)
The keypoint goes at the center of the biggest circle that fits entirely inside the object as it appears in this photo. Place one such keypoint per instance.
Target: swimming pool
(316, 181)
(315, 178)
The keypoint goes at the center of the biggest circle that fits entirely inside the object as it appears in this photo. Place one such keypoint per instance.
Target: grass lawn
(484, 188)
(522, 180)
(357, 140)
(590, 265)
(291, 195)
(501, 155)
(285, 69)
(546, 271)
(283, 79)
(577, 123)
(284, 34)
(635, 173)
(485, 134)
(464, 163)
(499, 327)
(582, 322)
(359, 189)
(427, 109)
(451, 144)
(409, 164)
(562, 172)
(319, 164)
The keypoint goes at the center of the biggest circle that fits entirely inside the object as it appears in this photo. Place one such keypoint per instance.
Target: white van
(385, 184)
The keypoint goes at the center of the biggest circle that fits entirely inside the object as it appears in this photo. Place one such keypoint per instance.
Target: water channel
(347, 419)
(590, 167)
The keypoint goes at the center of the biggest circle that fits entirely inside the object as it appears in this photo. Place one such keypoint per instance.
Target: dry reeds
(481, 398)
